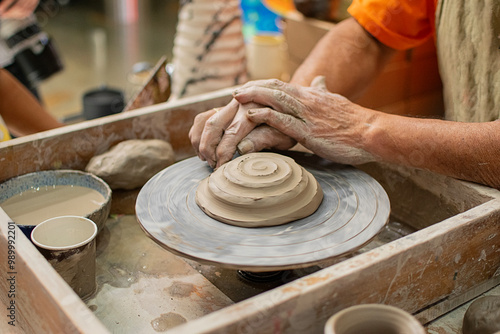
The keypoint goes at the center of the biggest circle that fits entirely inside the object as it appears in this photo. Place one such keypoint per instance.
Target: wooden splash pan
(452, 257)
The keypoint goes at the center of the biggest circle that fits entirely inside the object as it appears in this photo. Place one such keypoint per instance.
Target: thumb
(265, 137)
(287, 124)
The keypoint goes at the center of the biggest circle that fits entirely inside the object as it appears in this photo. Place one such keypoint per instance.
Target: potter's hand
(265, 137)
(328, 124)
(17, 9)
(215, 133)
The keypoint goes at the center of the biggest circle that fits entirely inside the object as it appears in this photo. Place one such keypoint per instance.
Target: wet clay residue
(181, 289)
(126, 253)
(167, 321)
(259, 189)
(77, 267)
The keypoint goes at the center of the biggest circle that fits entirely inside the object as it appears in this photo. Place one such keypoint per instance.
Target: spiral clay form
(259, 189)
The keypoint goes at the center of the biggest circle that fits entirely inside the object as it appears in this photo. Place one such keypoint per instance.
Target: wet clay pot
(483, 316)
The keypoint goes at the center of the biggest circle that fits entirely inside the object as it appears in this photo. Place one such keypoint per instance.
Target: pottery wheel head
(353, 210)
(259, 189)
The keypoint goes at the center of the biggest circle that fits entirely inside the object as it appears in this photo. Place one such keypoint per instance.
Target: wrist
(373, 134)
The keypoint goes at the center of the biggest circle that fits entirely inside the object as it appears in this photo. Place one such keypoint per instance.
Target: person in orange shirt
(315, 108)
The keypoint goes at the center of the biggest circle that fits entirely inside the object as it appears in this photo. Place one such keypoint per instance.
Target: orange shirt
(399, 24)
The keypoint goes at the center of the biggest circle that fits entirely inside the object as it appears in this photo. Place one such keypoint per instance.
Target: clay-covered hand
(17, 9)
(265, 137)
(328, 124)
(215, 133)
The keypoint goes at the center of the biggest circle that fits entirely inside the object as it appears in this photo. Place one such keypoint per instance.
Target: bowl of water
(32, 198)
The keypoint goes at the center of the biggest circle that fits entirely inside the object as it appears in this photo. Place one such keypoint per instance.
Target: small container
(68, 244)
(267, 57)
(101, 102)
(373, 319)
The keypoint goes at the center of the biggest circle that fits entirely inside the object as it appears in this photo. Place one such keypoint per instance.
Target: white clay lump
(259, 189)
(131, 163)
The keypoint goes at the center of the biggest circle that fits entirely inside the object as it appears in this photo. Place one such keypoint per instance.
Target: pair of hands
(17, 9)
(272, 114)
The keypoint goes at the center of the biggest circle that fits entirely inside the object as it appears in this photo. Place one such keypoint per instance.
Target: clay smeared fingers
(265, 137)
(235, 132)
(271, 84)
(284, 123)
(213, 131)
(197, 129)
(277, 99)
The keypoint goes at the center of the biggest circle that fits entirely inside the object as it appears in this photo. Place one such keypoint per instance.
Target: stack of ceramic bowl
(209, 50)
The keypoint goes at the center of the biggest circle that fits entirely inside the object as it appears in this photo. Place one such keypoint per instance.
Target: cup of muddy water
(374, 319)
(68, 244)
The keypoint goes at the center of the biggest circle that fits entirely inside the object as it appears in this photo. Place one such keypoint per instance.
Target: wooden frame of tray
(453, 257)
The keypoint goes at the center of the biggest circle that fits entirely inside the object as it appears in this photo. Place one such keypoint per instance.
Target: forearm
(336, 129)
(20, 110)
(468, 151)
(348, 57)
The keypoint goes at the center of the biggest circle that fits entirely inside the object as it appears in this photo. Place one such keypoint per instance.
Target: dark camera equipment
(33, 51)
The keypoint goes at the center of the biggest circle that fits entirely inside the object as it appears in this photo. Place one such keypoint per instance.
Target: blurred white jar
(267, 57)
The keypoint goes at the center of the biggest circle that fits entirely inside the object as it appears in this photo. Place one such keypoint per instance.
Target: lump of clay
(131, 163)
(259, 189)
(482, 316)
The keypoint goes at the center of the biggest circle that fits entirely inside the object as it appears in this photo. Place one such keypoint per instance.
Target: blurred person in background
(21, 112)
(27, 57)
